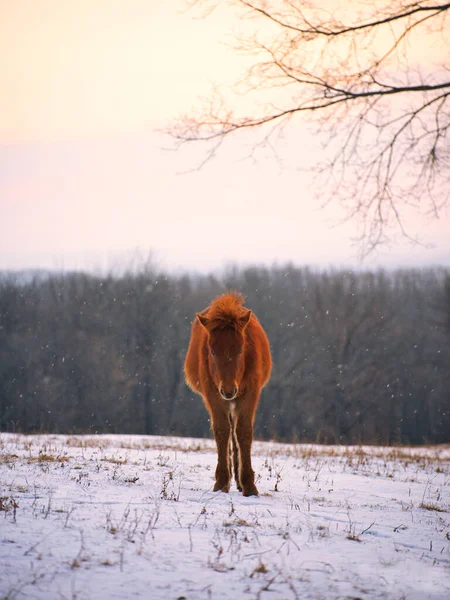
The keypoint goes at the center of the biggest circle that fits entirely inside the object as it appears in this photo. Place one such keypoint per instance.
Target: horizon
(134, 268)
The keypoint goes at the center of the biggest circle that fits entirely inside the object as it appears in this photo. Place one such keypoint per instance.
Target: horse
(228, 362)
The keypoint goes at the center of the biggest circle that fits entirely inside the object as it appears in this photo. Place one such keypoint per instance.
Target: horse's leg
(221, 428)
(244, 437)
(235, 453)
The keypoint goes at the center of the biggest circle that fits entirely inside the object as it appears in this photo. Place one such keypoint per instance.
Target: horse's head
(226, 354)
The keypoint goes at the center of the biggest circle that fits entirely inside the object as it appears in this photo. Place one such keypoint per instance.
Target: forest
(358, 356)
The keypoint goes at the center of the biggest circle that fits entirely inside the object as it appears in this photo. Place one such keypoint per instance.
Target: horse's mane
(225, 311)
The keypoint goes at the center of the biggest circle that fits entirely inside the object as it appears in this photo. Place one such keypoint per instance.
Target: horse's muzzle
(228, 395)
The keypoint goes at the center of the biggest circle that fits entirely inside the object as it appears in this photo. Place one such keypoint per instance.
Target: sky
(87, 181)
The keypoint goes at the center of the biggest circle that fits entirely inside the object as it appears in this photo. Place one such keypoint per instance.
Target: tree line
(359, 357)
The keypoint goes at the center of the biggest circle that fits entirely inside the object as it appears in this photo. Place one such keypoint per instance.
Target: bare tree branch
(384, 114)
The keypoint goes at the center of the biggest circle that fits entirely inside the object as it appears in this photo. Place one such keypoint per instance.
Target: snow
(93, 517)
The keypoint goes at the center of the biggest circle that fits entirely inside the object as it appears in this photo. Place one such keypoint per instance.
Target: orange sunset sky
(86, 179)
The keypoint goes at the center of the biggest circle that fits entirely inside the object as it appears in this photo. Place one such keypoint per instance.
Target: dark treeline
(358, 357)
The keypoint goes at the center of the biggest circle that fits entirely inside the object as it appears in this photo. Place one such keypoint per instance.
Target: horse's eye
(213, 353)
(240, 352)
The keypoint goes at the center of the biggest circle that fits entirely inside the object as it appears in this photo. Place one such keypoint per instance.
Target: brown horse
(228, 362)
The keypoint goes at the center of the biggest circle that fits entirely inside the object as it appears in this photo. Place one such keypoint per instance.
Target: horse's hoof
(251, 490)
(218, 487)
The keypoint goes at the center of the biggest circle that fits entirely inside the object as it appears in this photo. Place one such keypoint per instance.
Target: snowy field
(100, 517)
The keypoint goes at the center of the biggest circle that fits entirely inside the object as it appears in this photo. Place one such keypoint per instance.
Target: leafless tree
(358, 357)
(372, 78)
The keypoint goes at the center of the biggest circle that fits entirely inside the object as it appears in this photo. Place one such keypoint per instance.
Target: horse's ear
(203, 320)
(243, 321)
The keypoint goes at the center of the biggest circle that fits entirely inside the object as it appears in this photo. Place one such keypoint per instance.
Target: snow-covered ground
(100, 517)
